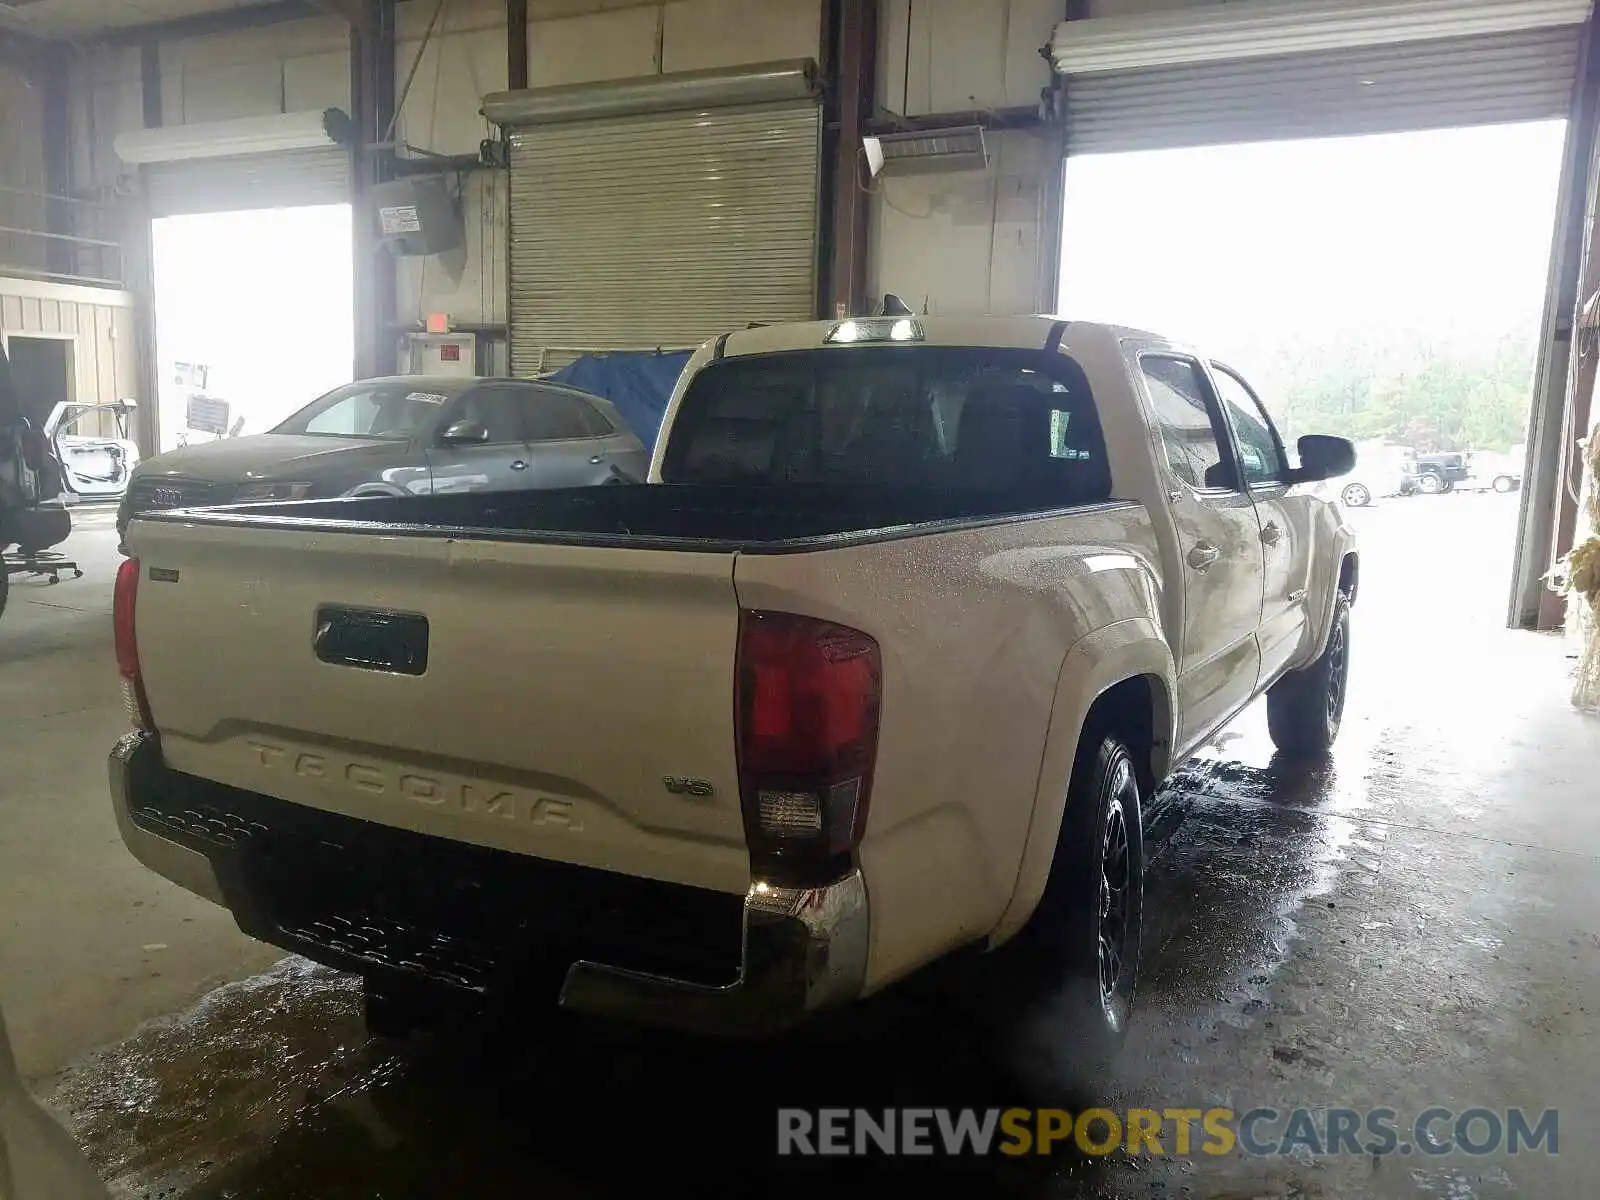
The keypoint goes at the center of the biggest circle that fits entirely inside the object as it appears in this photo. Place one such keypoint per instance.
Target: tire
(1305, 708)
(1504, 484)
(5, 588)
(1430, 484)
(1090, 919)
(1356, 495)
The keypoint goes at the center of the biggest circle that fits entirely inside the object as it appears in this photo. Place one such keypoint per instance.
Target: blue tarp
(639, 383)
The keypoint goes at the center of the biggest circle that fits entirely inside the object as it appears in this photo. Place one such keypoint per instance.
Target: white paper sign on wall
(401, 218)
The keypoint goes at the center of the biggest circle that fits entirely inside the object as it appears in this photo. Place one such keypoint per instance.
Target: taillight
(808, 698)
(123, 603)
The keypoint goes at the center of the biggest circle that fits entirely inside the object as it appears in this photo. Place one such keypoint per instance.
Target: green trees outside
(1430, 393)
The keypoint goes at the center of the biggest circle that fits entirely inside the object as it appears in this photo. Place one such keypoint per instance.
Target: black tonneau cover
(677, 516)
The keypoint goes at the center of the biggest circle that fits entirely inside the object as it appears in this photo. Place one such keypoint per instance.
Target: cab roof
(1019, 332)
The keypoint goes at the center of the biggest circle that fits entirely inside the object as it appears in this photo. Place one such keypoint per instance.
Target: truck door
(1285, 516)
(1219, 548)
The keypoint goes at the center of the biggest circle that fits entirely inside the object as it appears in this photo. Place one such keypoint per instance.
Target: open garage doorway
(254, 317)
(1386, 288)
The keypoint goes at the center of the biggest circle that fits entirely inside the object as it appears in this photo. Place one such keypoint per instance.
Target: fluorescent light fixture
(957, 148)
(874, 329)
(1261, 28)
(227, 139)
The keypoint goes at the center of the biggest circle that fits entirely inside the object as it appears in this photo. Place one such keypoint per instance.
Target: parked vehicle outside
(403, 435)
(1496, 471)
(1441, 473)
(912, 616)
(1382, 470)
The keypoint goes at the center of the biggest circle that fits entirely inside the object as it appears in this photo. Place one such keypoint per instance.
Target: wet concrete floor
(1414, 923)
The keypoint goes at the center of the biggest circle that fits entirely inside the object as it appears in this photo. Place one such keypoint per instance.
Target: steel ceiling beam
(228, 20)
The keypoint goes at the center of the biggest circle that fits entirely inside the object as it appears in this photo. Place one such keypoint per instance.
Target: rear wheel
(1090, 918)
(1356, 495)
(1305, 708)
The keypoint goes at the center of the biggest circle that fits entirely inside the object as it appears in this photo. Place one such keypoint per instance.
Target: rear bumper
(489, 923)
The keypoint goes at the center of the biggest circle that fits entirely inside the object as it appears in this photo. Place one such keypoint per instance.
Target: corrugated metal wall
(1484, 80)
(101, 331)
(660, 230)
(305, 64)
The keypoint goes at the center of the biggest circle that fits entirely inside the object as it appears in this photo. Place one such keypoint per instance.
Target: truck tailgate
(574, 704)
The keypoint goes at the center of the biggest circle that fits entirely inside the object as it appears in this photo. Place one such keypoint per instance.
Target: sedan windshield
(370, 410)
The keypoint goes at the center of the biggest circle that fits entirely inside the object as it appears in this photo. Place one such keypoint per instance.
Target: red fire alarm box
(449, 352)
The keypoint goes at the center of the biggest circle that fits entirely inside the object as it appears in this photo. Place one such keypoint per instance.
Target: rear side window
(550, 416)
(998, 421)
(594, 420)
(1185, 419)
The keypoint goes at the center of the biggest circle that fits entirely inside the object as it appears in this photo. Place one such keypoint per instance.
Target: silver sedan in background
(404, 434)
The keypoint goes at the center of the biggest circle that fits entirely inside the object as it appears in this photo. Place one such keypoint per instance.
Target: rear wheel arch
(1131, 695)
(1132, 711)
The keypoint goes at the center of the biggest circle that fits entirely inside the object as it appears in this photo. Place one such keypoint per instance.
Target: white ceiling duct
(1260, 28)
(230, 139)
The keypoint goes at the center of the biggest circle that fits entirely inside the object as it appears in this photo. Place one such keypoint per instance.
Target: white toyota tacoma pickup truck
(878, 665)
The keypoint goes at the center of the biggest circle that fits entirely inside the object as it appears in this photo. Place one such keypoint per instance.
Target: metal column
(372, 67)
(851, 75)
(56, 111)
(1543, 499)
(516, 45)
(138, 272)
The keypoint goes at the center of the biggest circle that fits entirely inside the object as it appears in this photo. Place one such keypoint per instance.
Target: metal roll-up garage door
(281, 179)
(1230, 75)
(659, 228)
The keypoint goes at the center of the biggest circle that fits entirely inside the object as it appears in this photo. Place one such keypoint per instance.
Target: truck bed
(664, 516)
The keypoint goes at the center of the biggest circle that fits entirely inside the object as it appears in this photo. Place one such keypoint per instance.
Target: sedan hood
(277, 456)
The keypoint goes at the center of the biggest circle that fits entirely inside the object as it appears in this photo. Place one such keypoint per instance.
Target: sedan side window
(497, 409)
(555, 417)
(1186, 421)
(1260, 456)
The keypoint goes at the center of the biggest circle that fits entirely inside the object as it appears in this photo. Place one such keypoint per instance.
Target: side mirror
(1324, 457)
(465, 431)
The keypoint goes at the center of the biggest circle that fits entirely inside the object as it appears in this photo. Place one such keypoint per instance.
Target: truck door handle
(1270, 533)
(519, 465)
(1203, 555)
